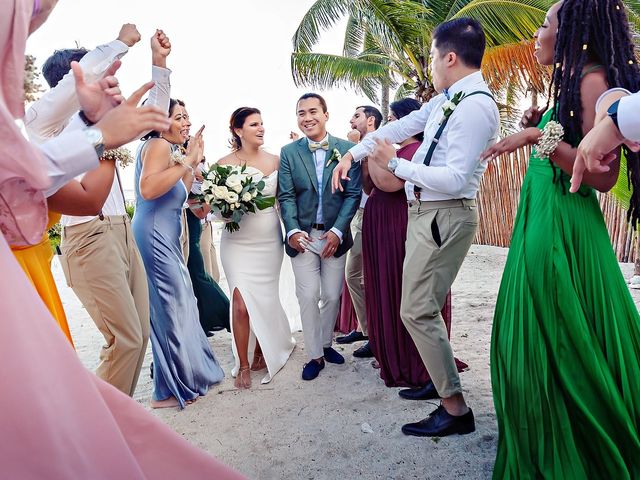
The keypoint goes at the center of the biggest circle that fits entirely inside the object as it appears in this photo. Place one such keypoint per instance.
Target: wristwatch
(94, 136)
(85, 119)
(392, 165)
(613, 113)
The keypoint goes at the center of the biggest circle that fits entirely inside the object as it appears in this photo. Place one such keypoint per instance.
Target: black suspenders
(436, 138)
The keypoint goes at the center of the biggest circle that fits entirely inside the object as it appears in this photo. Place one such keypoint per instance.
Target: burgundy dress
(347, 319)
(384, 231)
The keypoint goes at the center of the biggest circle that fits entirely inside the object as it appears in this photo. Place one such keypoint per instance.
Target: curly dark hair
(594, 31)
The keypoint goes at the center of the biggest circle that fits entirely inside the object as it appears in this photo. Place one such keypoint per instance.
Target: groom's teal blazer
(298, 192)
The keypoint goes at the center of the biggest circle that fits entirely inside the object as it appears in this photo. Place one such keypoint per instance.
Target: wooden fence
(498, 203)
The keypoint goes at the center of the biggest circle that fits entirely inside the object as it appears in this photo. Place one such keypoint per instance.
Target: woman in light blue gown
(184, 366)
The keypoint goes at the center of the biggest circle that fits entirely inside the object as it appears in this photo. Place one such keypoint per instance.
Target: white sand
(291, 429)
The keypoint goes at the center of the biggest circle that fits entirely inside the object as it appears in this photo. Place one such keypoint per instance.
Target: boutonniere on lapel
(450, 105)
(335, 156)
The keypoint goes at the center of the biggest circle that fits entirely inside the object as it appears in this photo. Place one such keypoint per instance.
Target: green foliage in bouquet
(231, 193)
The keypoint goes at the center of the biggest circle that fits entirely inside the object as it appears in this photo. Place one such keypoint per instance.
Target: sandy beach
(345, 424)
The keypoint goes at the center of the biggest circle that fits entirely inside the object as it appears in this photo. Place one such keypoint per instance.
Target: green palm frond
(354, 36)
(322, 15)
(622, 190)
(505, 21)
(405, 90)
(324, 72)
(514, 61)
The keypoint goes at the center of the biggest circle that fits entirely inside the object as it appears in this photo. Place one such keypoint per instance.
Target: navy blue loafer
(331, 356)
(312, 369)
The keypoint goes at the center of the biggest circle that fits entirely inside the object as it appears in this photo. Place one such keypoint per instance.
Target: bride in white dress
(252, 260)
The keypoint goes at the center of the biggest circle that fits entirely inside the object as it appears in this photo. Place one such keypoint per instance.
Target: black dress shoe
(440, 424)
(312, 369)
(331, 356)
(353, 336)
(428, 392)
(363, 352)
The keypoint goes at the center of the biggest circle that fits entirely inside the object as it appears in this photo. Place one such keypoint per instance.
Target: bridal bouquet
(231, 193)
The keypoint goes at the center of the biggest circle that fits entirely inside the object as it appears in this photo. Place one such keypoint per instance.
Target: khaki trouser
(439, 235)
(102, 265)
(208, 250)
(354, 272)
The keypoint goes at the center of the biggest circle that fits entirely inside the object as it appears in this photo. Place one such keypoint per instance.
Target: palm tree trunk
(384, 102)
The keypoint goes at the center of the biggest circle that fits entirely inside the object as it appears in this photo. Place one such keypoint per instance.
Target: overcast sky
(225, 55)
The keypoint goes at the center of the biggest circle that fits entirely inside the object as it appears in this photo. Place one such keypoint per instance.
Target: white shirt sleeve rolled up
(629, 117)
(48, 116)
(395, 132)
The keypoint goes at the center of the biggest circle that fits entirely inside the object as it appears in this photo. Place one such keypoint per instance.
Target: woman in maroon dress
(384, 231)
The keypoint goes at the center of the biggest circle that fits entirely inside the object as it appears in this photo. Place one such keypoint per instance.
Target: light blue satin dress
(184, 365)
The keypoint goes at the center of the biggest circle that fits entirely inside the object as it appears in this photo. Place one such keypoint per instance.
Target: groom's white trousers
(319, 283)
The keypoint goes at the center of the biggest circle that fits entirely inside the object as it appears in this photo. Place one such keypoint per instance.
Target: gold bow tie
(324, 145)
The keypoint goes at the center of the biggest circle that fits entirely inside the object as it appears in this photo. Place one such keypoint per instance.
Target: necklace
(242, 160)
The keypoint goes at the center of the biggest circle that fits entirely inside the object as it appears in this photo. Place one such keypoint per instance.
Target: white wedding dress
(252, 260)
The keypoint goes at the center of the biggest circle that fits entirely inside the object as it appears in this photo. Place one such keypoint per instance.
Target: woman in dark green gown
(566, 334)
(213, 304)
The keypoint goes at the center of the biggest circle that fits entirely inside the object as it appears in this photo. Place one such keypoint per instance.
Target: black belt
(318, 226)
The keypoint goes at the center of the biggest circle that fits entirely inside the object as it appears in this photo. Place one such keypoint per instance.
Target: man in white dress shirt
(441, 185)
(365, 119)
(100, 259)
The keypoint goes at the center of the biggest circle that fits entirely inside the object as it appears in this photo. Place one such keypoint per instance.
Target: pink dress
(59, 420)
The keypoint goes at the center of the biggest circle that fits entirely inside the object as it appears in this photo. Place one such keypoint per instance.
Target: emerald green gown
(565, 347)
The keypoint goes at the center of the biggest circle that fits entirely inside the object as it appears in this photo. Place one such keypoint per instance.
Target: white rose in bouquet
(237, 188)
(237, 205)
(246, 197)
(232, 197)
(219, 192)
(207, 184)
(234, 181)
(209, 198)
(254, 194)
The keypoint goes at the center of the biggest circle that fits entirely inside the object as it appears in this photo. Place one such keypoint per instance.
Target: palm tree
(387, 42)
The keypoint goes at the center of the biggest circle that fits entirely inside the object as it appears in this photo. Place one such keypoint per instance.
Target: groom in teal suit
(318, 226)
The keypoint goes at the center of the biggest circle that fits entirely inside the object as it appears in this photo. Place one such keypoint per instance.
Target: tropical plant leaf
(505, 21)
(322, 15)
(354, 36)
(514, 61)
(325, 71)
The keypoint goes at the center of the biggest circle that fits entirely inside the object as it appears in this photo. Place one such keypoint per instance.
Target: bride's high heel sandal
(258, 363)
(243, 379)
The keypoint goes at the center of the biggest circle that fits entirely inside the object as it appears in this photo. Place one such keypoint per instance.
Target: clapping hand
(195, 148)
(97, 98)
(293, 136)
(127, 121)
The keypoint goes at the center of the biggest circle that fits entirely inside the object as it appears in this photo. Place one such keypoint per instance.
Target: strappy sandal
(258, 363)
(243, 379)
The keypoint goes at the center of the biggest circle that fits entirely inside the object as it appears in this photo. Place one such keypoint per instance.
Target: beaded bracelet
(552, 134)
